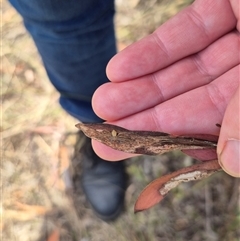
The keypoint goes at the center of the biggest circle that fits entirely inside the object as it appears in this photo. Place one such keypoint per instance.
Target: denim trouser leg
(76, 40)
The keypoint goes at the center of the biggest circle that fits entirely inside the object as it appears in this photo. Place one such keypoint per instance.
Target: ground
(40, 202)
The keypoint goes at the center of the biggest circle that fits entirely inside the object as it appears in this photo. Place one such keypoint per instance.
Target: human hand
(182, 79)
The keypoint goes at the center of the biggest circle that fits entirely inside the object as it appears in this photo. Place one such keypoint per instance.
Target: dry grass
(39, 200)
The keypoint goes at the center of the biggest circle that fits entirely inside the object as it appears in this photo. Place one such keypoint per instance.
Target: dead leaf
(159, 188)
(54, 236)
(25, 212)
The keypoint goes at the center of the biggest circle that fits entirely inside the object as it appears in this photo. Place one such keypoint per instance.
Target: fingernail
(229, 158)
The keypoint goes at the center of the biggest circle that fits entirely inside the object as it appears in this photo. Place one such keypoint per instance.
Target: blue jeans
(75, 39)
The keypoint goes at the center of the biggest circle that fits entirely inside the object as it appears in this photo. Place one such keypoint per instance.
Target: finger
(203, 155)
(195, 112)
(139, 94)
(229, 140)
(188, 32)
(235, 9)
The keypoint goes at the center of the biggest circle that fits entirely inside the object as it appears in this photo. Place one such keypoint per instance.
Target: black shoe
(103, 182)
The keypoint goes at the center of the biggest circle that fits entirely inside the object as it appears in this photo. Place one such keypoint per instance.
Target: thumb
(228, 148)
